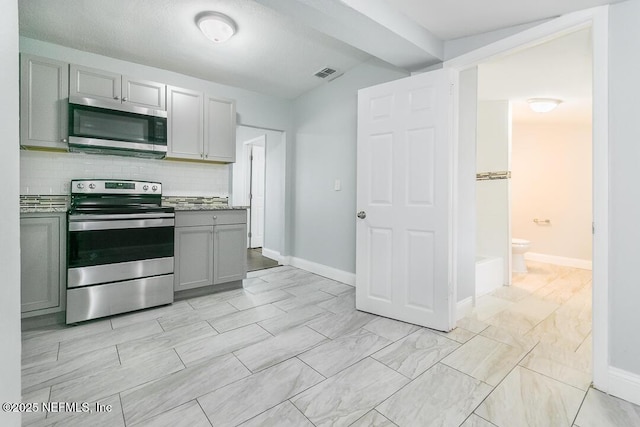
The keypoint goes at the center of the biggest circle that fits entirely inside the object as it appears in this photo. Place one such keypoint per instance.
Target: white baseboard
(624, 384)
(559, 260)
(323, 270)
(274, 255)
(464, 308)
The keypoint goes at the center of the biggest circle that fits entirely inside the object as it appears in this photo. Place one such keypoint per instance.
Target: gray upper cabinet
(42, 262)
(200, 127)
(185, 124)
(44, 90)
(220, 132)
(115, 88)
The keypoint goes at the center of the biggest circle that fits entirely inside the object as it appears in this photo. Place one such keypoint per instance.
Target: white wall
(274, 182)
(10, 222)
(551, 179)
(325, 150)
(492, 196)
(624, 209)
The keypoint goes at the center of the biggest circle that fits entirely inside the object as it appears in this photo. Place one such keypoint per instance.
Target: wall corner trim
(624, 384)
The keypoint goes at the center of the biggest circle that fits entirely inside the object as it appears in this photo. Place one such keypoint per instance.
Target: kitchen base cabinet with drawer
(42, 263)
(211, 248)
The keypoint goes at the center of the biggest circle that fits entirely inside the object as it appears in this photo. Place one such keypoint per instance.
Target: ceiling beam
(369, 25)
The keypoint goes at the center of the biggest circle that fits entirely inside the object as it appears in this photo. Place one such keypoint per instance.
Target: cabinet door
(97, 84)
(220, 133)
(144, 93)
(44, 89)
(185, 124)
(41, 263)
(230, 253)
(193, 257)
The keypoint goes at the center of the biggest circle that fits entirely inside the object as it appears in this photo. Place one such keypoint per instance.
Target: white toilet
(518, 248)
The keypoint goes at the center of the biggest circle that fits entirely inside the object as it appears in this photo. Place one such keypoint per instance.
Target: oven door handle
(121, 224)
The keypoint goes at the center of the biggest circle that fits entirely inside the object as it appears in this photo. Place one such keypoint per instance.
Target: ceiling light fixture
(543, 105)
(216, 27)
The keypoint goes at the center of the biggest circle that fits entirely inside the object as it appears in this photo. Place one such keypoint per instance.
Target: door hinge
(250, 235)
(593, 228)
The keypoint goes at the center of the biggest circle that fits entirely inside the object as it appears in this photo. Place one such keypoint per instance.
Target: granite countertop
(206, 207)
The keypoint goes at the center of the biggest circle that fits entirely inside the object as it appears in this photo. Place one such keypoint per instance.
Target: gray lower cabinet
(211, 248)
(42, 263)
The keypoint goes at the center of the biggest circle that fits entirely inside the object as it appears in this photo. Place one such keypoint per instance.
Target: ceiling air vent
(326, 72)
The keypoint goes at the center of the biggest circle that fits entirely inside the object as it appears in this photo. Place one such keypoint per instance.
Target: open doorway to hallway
(258, 184)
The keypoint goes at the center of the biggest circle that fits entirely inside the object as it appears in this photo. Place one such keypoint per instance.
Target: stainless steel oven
(120, 248)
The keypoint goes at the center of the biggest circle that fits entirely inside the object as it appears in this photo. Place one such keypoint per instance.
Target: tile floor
(291, 350)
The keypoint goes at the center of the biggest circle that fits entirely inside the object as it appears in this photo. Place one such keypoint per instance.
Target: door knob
(362, 214)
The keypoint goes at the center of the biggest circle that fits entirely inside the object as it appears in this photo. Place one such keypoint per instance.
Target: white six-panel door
(403, 232)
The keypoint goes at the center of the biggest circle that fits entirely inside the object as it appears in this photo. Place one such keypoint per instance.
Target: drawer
(213, 217)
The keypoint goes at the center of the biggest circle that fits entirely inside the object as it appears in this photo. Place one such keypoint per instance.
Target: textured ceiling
(560, 69)
(269, 54)
(280, 44)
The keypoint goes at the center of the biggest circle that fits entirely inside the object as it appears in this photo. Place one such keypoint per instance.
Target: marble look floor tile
(333, 356)
(118, 378)
(534, 307)
(188, 415)
(37, 342)
(217, 298)
(244, 399)
(293, 274)
(283, 415)
(269, 271)
(440, 397)
(487, 306)
(164, 340)
(509, 337)
(513, 321)
(512, 404)
(560, 290)
(390, 329)
(293, 319)
(264, 286)
(180, 387)
(43, 354)
(602, 410)
(511, 293)
(215, 311)
(341, 324)
(56, 372)
(485, 359)
(565, 373)
(334, 288)
(373, 419)
(179, 320)
(249, 300)
(565, 332)
(413, 355)
(476, 421)
(310, 298)
(127, 319)
(342, 304)
(347, 396)
(274, 350)
(245, 317)
(218, 345)
(85, 344)
(38, 397)
(460, 335)
(472, 324)
(112, 418)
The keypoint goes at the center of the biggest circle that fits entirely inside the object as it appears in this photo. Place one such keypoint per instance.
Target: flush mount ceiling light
(216, 27)
(543, 105)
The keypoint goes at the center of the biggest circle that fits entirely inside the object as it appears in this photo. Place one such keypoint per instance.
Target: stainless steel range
(120, 248)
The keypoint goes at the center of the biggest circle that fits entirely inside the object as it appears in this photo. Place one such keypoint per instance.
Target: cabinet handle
(63, 140)
(124, 99)
(116, 97)
(215, 217)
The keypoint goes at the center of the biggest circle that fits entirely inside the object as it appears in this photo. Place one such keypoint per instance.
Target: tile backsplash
(43, 172)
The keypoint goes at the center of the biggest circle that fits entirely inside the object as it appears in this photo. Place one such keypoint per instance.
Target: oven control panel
(105, 186)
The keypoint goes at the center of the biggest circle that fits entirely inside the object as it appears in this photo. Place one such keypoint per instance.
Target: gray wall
(10, 224)
(624, 204)
(325, 150)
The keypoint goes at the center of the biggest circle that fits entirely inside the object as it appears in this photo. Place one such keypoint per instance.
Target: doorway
(595, 19)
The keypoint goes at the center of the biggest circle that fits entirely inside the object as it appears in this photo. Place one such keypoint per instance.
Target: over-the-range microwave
(99, 127)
